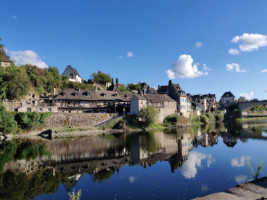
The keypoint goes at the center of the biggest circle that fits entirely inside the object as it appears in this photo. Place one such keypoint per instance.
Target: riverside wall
(57, 120)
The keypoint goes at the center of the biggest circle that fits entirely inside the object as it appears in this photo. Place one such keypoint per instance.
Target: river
(170, 164)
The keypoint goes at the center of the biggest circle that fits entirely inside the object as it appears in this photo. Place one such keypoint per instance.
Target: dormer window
(71, 75)
(74, 94)
(115, 95)
(103, 94)
(64, 94)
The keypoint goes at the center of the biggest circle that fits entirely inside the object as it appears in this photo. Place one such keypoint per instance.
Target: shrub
(149, 115)
(204, 119)
(218, 118)
(7, 122)
(31, 120)
(171, 119)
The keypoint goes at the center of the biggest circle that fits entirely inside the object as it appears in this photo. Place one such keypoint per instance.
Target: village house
(73, 74)
(31, 103)
(176, 93)
(207, 102)
(146, 89)
(227, 99)
(4, 59)
(165, 105)
(71, 100)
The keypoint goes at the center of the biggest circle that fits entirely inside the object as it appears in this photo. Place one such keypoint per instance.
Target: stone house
(207, 102)
(31, 103)
(4, 59)
(176, 93)
(71, 100)
(165, 105)
(73, 74)
(227, 99)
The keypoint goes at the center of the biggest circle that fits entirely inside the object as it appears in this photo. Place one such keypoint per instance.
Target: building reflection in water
(104, 155)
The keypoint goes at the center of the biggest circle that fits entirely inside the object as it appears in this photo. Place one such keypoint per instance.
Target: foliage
(204, 119)
(103, 175)
(29, 120)
(241, 99)
(173, 119)
(7, 122)
(259, 108)
(101, 78)
(17, 150)
(3, 84)
(20, 186)
(195, 120)
(117, 81)
(17, 83)
(74, 196)
(149, 115)
(133, 86)
(218, 117)
(232, 113)
(258, 171)
(1, 45)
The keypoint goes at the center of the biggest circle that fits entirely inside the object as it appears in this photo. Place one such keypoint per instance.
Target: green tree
(149, 115)
(133, 86)
(204, 119)
(18, 84)
(101, 78)
(3, 84)
(241, 99)
(1, 45)
(7, 122)
(117, 81)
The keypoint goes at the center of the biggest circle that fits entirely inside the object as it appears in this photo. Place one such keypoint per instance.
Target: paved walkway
(248, 191)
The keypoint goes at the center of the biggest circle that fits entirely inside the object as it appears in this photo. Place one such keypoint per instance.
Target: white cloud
(132, 179)
(250, 42)
(233, 51)
(198, 44)
(248, 96)
(14, 17)
(189, 168)
(235, 162)
(184, 68)
(263, 71)
(27, 57)
(234, 67)
(206, 68)
(130, 54)
(241, 179)
(170, 74)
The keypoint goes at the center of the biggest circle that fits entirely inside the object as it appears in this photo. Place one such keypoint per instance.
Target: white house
(4, 59)
(165, 105)
(227, 98)
(73, 74)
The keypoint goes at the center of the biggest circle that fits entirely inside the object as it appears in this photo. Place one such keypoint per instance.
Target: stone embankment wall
(57, 120)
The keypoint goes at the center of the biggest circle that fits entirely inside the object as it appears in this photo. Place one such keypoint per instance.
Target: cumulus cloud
(264, 70)
(241, 179)
(233, 51)
(206, 68)
(250, 42)
(170, 74)
(198, 44)
(184, 68)
(189, 168)
(234, 67)
(248, 96)
(235, 162)
(27, 57)
(130, 54)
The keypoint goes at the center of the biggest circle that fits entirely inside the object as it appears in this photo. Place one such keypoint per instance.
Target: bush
(31, 120)
(149, 115)
(218, 118)
(171, 119)
(204, 119)
(7, 122)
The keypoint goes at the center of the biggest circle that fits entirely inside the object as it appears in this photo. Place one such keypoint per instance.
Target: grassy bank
(250, 119)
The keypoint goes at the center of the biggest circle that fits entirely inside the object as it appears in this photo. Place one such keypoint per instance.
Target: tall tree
(117, 81)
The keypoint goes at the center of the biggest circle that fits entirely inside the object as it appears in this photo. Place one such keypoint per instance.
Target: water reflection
(35, 166)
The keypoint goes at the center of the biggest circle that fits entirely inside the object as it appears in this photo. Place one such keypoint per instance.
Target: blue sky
(140, 40)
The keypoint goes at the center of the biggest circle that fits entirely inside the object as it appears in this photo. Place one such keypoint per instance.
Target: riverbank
(256, 189)
(250, 119)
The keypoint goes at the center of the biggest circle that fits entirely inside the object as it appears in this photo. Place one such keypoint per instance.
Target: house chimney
(170, 82)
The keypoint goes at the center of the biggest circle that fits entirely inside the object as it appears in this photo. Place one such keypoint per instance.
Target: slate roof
(228, 94)
(4, 57)
(163, 89)
(72, 94)
(156, 98)
(140, 97)
(73, 69)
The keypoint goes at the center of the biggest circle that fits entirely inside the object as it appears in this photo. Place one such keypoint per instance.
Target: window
(29, 109)
(41, 109)
(49, 110)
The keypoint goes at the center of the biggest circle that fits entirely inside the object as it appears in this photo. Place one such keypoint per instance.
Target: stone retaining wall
(57, 120)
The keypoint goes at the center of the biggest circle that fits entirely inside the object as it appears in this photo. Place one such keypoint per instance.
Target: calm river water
(170, 164)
